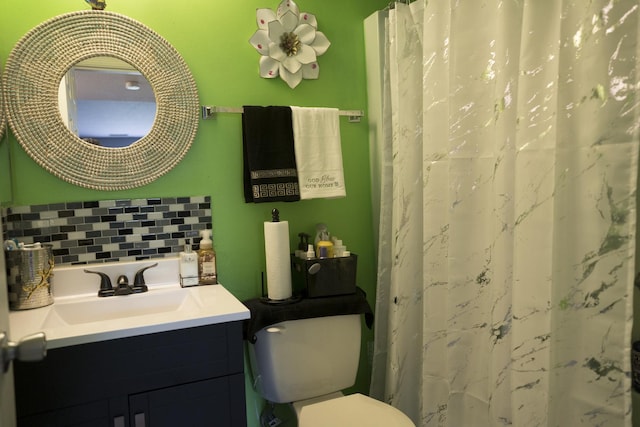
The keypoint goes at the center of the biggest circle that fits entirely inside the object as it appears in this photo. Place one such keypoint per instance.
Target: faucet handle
(138, 281)
(106, 290)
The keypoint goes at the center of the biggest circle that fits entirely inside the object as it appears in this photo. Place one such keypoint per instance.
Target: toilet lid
(351, 411)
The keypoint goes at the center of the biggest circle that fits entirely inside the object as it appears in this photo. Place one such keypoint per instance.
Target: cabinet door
(208, 403)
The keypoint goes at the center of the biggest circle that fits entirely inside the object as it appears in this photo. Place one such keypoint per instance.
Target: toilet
(307, 362)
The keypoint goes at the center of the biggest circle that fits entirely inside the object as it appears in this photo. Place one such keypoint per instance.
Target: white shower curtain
(507, 152)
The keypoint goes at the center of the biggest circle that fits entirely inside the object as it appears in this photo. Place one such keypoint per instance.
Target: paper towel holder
(291, 300)
(266, 300)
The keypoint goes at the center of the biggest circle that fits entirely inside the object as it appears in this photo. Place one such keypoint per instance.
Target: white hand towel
(318, 151)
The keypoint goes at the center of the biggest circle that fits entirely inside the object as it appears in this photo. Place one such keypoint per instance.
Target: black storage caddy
(322, 277)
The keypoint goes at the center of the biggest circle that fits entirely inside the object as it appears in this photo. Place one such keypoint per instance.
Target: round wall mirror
(3, 116)
(107, 102)
(42, 59)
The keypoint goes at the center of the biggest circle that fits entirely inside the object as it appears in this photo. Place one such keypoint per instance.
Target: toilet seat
(351, 411)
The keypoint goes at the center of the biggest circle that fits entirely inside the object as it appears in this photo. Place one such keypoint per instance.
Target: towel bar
(208, 111)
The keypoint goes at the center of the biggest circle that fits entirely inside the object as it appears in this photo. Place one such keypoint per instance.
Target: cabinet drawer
(93, 414)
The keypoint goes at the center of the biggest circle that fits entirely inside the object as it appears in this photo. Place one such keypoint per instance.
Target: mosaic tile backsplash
(111, 230)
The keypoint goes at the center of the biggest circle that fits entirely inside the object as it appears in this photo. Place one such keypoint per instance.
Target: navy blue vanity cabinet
(192, 377)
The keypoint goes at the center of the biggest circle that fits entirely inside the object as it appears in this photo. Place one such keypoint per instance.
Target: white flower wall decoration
(289, 43)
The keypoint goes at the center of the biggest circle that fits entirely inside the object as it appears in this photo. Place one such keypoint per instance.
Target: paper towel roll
(277, 250)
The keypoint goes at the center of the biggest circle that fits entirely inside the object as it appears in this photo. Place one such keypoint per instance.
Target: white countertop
(83, 317)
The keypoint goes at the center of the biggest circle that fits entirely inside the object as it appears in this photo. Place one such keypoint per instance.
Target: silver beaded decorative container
(29, 274)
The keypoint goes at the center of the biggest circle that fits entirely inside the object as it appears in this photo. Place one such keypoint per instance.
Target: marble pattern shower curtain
(508, 214)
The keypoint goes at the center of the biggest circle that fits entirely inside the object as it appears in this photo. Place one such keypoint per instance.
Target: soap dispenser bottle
(207, 272)
(188, 266)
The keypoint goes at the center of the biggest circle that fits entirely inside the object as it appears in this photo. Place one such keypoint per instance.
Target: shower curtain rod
(208, 111)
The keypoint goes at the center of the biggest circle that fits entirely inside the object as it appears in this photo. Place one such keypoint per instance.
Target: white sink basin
(79, 316)
(77, 311)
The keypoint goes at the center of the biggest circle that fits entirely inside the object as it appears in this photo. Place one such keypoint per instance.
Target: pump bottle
(188, 266)
(207, 271)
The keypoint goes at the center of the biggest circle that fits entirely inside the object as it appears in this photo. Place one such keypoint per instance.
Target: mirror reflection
(107, 102)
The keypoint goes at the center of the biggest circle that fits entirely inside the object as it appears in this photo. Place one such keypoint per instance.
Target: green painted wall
(212, 37)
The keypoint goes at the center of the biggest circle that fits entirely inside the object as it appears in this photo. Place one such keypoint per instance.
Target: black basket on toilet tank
(322, 277)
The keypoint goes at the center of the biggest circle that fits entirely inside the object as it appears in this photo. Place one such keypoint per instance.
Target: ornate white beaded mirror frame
(31, 83)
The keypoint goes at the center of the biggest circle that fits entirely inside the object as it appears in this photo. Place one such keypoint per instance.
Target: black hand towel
(270, 173)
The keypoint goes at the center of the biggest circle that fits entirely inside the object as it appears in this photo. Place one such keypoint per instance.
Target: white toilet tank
(301, 359)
